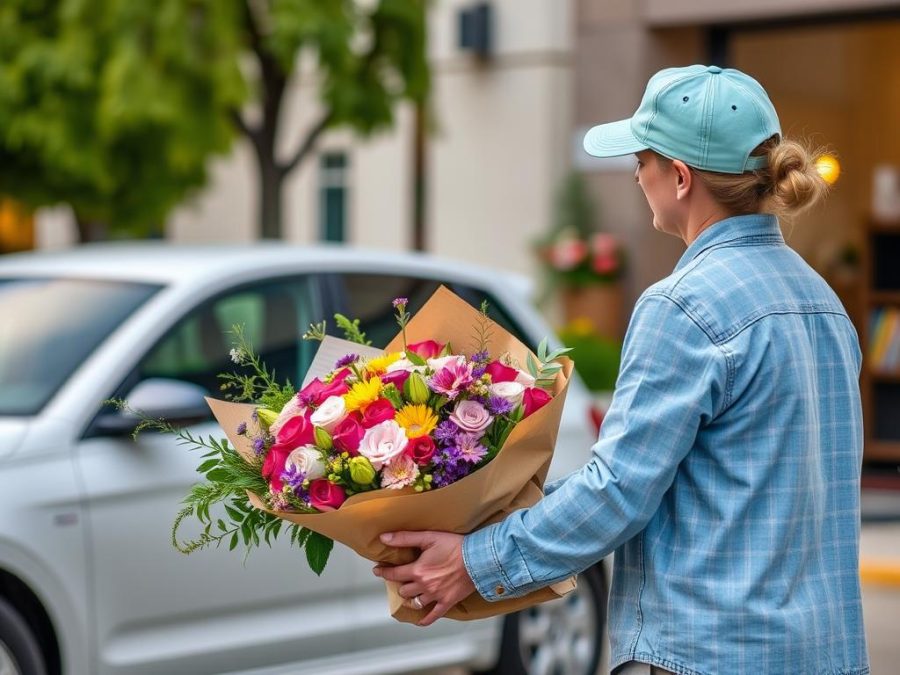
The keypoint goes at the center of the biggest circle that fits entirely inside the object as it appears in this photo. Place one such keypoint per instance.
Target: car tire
(20, 653)
(561, 636)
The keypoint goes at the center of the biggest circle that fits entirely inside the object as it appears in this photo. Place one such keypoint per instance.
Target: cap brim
(613, 139)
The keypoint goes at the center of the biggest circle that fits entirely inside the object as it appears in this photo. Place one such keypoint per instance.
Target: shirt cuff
(493, 580)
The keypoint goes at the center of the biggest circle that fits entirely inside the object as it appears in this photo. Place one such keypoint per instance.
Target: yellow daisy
(362, 394)
(379, 365)
(417, 420)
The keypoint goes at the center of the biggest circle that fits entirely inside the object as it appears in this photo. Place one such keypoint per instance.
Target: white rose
(383, 442)
(525, 379)
(308, 459)
(511, 391)
(330, 413)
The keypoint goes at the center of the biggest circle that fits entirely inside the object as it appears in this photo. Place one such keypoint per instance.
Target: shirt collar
(762, 227)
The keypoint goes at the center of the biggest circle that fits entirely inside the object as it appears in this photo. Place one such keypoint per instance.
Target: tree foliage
(115, 106)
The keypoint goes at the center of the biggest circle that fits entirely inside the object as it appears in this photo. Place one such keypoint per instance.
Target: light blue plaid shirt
(726, 478)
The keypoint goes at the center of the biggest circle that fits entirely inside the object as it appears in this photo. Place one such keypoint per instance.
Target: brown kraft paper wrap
(512, 480)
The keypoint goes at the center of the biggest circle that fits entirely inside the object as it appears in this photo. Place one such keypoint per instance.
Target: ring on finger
(417, 602)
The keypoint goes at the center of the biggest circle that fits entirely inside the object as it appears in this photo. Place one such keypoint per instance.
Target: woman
(726, 478)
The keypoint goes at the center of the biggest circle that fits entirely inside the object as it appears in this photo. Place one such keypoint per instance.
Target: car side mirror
(175, 401)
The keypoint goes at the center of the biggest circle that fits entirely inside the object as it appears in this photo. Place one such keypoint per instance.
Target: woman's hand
(438, 577)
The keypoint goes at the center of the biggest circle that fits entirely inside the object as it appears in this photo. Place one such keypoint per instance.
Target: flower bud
(361, 471)
(266, 416)
(415, 389)
(323, 438)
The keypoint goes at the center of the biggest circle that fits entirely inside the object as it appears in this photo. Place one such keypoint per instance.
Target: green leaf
(318, 548)
(532, 366)
(219, 476)
(415, 359)
(542, 350)
(234, 542)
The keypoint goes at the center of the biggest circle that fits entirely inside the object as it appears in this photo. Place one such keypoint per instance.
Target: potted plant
(583, 265)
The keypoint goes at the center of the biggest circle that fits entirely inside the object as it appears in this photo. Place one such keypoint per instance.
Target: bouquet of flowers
(419, 436)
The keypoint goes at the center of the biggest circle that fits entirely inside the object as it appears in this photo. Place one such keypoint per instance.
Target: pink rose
(296, 431)
(427, 349)
(382, 443)
(420, 449)
(471, 416)
(377, 412)
(317, 391)
(325, 495)
(273, 465)
(348, 434)
(500, 372)
(534, 399)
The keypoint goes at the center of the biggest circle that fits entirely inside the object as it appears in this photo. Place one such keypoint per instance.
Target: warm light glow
(829, 168)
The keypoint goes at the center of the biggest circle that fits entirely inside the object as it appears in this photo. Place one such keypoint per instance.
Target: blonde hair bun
(796, 182)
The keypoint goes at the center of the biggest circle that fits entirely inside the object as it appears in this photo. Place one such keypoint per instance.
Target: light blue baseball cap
(710, 118)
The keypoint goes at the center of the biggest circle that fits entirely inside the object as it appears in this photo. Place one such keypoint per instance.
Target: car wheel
(561, 637)
(19, 651)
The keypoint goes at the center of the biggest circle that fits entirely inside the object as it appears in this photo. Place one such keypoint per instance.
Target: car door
(157, 610)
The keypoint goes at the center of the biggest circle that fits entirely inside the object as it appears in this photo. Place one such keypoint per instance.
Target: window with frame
(333, 196)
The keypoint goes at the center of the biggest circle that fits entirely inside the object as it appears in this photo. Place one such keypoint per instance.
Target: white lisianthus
(511, 391)
(440, 362)
(400, 472)
(308, 459)
(383, 442)
(291, 409)
(330, 413)
(525, 379)
(405, 364)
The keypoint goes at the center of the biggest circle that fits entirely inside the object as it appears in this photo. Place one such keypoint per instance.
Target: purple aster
(400, 301)
(478, 371)
(449, 467)
(259, 445)
(345, 360)
(497, 405)
(481, 357)
(241, 428)
(470, 449)
(445, 432)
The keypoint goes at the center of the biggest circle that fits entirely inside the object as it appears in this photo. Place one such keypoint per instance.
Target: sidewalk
(880, 540)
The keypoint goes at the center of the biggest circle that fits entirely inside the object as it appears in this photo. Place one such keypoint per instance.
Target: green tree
(115, 106)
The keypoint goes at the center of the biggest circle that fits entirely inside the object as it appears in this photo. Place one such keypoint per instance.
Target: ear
(684, 178)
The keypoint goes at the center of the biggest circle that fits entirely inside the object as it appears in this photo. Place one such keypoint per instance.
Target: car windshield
(49, 327)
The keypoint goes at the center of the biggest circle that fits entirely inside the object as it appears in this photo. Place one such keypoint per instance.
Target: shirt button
(499, 590)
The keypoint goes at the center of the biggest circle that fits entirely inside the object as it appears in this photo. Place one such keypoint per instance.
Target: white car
(89, 581)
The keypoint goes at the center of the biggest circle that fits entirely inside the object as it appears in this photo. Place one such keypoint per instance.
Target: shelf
(885, 297)
(881, 449)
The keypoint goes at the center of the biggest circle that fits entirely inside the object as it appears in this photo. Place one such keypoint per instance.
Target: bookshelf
(880, 333)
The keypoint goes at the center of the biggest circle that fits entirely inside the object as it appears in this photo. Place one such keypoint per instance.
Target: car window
(50, 327)
(273, 315)
(368, 297)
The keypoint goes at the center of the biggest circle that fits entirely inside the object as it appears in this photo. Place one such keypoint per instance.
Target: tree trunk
(420, 176)
(271, 180)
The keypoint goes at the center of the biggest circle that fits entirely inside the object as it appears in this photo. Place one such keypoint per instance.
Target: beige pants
(637, 668)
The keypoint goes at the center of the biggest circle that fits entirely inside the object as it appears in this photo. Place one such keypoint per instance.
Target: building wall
(498, 147)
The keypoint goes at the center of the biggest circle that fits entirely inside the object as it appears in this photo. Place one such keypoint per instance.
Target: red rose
(395, 377)
(377, 412)
(317, 391)
(500, 372)
(296, 431)
(534, 399)
(273, 465)
(427, 349)
(325, 495)
(347, 434)
(420, 450)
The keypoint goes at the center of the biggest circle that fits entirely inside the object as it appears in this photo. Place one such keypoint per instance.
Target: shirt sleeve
(672, 381)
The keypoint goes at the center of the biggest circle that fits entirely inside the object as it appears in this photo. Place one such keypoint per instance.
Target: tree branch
(238, 121)
(307, 145)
